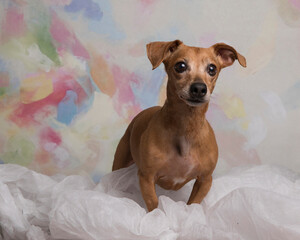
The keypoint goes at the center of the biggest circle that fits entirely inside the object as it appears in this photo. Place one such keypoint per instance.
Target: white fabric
(261, 202)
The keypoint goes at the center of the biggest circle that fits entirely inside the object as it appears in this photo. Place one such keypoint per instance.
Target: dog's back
(131, 139)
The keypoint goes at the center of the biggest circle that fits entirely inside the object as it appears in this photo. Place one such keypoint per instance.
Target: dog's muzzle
(197, 94)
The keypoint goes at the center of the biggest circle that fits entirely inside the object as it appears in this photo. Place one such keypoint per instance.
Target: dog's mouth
(196, 100)
(193, 102)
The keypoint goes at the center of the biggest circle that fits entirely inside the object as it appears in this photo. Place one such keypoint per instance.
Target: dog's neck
(180, 116)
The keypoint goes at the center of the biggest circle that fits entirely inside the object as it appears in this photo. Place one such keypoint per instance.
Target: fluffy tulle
(261, 202)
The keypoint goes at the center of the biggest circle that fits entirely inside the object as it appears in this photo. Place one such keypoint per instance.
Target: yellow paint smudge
(36, 88)
(245, 125)
(233, 107)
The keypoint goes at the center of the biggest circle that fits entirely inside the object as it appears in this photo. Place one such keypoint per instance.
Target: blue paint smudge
(1, 162)
(96, 177)
(83, 108)
(90, 9)
(89, 87)
(14, 81)
(87, 84)
(2, 65)
(67, 108)
(147, 93)
(291, 98)
(107, 26)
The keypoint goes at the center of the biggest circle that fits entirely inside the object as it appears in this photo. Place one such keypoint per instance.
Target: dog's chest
(181, 166)
(176, 172)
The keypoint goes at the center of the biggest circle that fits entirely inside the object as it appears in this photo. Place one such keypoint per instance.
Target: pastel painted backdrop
(73, 73)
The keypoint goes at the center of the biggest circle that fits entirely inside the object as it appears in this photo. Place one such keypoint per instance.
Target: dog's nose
(198, 90)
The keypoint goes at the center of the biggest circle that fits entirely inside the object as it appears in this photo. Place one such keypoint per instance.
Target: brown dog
(174, 144)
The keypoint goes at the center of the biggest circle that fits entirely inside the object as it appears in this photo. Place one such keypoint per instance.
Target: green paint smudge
(2, 91)
(44, 41)
(38, 33)
(16, 49)
(18, 150)
(39, 25)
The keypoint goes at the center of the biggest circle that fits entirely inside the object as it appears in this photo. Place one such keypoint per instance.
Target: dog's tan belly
(170, 183)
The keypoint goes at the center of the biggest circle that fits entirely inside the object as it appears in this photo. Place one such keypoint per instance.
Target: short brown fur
(174, 144)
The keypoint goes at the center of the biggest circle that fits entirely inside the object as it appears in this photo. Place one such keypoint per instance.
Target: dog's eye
(212, 69)
(180, 67)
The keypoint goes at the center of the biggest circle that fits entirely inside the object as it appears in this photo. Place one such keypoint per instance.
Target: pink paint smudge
(66, 39)
(137, 50)
(48, 135)
(4, 79)
(231, 148)
(216, 114)
(58, 2)
(13, 24)
(147, 3)
(49, 141)
(144, 11)
(295, 3)
(42, 157)
(25, 114)
(125, 98)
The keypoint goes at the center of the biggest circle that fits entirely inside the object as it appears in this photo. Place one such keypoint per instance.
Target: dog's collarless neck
(180, 116)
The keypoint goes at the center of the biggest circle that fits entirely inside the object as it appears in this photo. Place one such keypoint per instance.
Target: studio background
(73, 73)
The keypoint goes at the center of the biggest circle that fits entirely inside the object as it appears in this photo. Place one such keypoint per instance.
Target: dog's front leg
(147, 185)
(200, 189)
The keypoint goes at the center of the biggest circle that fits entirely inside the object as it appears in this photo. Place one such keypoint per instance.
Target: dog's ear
(158, 51)
(227, 55)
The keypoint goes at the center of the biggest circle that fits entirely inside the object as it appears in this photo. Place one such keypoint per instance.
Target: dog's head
(192, 71)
